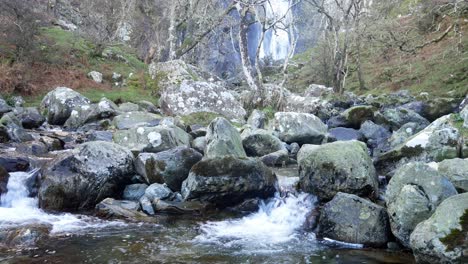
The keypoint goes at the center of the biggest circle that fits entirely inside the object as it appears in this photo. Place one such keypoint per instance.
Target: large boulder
(456, 170)
(81, 178)
(437, 142)
(90, 113)
(260, 142)
(343, 166)
(58, 104)
(222, 139)
(299, 127)
(194, 97)
(171, 167)
(443, 237)
(438, 107)
(136, 119)
(352, 219)
(228, 181)
(412, 195)
(152, 139)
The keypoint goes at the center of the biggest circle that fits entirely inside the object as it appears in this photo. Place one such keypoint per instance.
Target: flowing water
(273, 234)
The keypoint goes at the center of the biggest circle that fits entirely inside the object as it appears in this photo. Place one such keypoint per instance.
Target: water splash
(277, 222)
(17, 208)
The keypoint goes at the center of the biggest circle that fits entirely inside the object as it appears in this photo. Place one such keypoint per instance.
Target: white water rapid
(277, 221)
(277, 42)
(17, 208)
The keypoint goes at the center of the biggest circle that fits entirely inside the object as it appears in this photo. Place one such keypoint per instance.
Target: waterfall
(277, 42)
(17, 208)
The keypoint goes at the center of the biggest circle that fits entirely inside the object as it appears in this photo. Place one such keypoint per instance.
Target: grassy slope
(440, 69)
(66, 58)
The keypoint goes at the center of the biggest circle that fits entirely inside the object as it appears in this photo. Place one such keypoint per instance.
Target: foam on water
(17, 208)
(276, 222)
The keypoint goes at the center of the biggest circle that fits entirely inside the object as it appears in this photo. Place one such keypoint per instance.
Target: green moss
(457, 237)
(201, 118)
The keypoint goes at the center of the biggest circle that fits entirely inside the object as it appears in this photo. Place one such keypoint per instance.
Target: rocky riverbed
(371, 179)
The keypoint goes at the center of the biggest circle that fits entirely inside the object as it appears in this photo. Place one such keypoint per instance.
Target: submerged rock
(228, 181)
(58, 104)
(443, 237)
(412, 195)
(24, 236)
(300, 128)
(337, 167)
(152, 139)
(81, 178)
(222, 139)
(352, 219)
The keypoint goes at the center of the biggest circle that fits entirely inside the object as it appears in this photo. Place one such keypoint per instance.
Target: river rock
(404, 133)
(111, 208)
(260, 142)
(345, 134)
(30, 117)
(456, 170)
(397, 117)
(174, 72)
(4, 107)
(159, 191)
(129, 107)
(148, 107)
(222, 139)
(134, 192)
(228, 181)
(136, 119)
(58, 104)
(443, 237)
(3, 180)
(13, 161)
(299, 127)
(412, 195)
(317, 90)
(438, 106)
(171, 167)
(257, 119)
(357, 115)
(352, 219)
(12, 130)
(343, 166)
(179, 207)
(437, 142)
(194, 97)
(277, 158)
(84, 114)
(464, 115)
(152, 139)
(81, 178)
(199, 144)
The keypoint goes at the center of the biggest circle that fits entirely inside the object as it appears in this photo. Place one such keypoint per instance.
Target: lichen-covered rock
(438, 107)
(357, 115)
(152, 139)
(136, 119)
(95, 76)
(257, 119)
(437, 142)
(58, 104)
(81, 178)
(4, 107)
(404, 133)
(84, 114)
(222, 139)
(352, 219)
(397, 117)
(129, 107)
(193, 97)
(299, 127)
(412, 195)
(228, 181)
(171, 167)
(260, 142)
(443, 237)
(456, 170)
(464, 115)
(343, 166)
